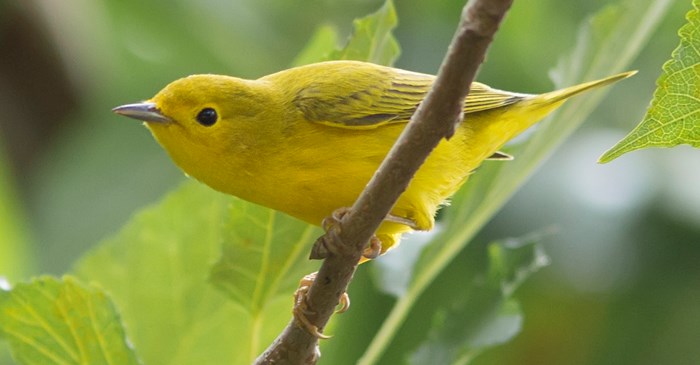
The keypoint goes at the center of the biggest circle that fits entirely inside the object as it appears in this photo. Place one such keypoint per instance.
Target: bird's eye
(207, 117)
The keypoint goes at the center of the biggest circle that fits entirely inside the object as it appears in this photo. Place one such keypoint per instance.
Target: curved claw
(303, 322)
(332, 221)
(301, 308)
(373, 250)
(344, 303)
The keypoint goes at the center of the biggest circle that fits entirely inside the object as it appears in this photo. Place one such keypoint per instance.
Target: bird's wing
(360, 105)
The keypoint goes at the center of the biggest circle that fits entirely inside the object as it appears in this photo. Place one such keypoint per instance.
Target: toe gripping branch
(302, 308)
(329, 243)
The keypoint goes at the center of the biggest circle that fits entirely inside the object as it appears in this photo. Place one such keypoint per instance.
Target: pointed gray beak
(146, 112)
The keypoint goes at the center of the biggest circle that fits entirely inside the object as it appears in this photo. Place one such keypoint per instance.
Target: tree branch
(436, 118)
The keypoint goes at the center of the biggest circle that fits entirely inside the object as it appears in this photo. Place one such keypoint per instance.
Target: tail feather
(563, 94)
(534, 108)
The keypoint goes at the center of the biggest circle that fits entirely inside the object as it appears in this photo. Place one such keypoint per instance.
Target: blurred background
(624, 283)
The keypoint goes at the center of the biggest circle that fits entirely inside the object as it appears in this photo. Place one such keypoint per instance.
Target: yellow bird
(305, 141)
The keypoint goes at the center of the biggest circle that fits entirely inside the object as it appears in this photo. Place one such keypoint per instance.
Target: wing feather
(358, 106)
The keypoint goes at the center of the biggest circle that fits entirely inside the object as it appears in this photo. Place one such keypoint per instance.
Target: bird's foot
(327, 244)
(331, 224)
(373, 250)
(301, 306)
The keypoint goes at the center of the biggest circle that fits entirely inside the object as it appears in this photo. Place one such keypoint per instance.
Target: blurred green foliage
(480, 314)
(16, 259)
(96, 169)
(51, 321)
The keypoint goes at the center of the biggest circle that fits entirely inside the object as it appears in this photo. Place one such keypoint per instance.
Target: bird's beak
(148, 112)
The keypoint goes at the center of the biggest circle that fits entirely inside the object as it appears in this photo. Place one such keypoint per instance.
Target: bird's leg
(301, 306)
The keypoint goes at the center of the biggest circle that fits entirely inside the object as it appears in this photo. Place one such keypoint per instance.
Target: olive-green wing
(359, 105)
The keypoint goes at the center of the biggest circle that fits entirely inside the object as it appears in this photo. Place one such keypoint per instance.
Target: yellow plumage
(305, 141)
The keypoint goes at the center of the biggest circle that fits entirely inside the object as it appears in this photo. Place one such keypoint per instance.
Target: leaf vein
(47, 328)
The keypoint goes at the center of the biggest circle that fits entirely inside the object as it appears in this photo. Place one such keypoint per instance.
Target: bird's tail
(529, 110)
(563, 94)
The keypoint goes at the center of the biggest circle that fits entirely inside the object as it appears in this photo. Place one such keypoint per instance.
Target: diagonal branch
(436, 118)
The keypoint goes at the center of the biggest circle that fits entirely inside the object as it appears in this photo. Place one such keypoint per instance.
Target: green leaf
(458, 335)
(52, 321)
(264, 255)
(674, 115)
(157, 271)
(372, 39)
(606, 45)
(482, 313)
(319, 47)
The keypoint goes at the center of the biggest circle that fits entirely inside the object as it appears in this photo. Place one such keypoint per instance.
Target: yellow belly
(325, 168)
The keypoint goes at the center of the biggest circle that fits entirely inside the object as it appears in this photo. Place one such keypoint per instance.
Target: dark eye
(207, 117)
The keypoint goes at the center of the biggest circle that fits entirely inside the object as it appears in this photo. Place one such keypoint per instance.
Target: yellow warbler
(305, 141)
